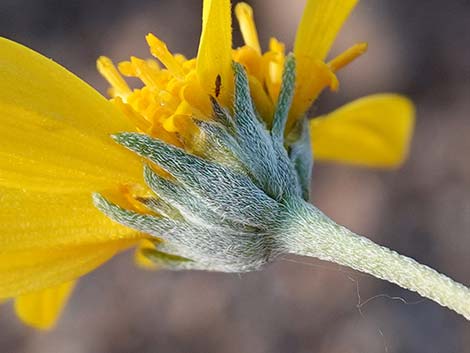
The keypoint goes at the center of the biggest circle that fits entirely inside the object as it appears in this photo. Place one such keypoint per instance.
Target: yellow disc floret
(169, 99)
(172, 95)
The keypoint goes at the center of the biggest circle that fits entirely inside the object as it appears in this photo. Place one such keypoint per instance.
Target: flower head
(226, 146)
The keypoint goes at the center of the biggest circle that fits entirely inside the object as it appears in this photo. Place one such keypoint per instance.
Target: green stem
(310, 233)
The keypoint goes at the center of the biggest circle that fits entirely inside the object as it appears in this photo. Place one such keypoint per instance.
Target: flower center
(172, 96)
(169, 99)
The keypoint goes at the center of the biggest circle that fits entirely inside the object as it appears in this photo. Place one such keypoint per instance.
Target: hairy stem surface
(310, 233)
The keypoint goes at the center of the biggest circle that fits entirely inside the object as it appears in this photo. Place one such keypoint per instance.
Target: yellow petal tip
(41, 309)
(373, 131)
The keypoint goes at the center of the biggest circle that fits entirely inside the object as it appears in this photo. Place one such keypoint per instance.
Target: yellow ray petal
(214, 56)
(24, 272)
(320, 23)
(372, 131)
(319, 26)
(47, 239)
(41, 309)
(31, 221)
(55, 128)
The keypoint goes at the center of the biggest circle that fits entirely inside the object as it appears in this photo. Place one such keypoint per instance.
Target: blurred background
(418, 48)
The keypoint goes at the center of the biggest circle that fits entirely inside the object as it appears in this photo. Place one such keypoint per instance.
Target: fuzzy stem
(310, 233)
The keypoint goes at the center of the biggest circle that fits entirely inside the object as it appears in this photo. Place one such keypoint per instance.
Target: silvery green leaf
(192, 207)
(161, 207)
(156, 226)
(302, 158)
(286, 178)
(221, 115)
(226, 251)
(252, 136)
(228, 193)
(285, 99)
(174, 262)
(221, 146)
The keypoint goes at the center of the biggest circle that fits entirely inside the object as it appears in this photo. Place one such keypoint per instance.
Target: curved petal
(55, 128)
(214, 58)
(372, 131)
(24, 272)
(47, 239)
(41, 309)
(319, 26)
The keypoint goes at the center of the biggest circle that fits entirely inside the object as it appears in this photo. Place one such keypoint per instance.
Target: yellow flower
(56, 148)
